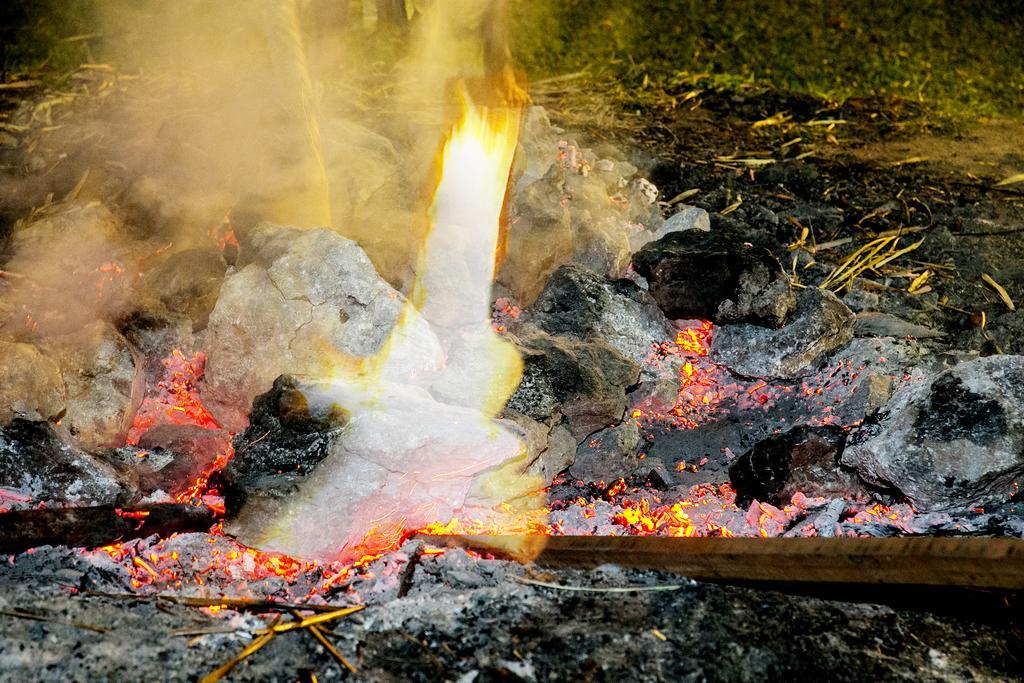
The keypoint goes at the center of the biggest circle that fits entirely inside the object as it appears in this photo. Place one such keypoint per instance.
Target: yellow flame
(455, 272)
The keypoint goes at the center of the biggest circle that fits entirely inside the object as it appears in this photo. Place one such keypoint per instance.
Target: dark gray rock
(282, 444)
(951, 443)
(761, 296)
(585, 380)
(804, 459)
(37, 462)
(608, 455)
(579, 304)
(822, 324)
(709, 276)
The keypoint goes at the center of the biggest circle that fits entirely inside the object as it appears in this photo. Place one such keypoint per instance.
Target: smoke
(310, 113)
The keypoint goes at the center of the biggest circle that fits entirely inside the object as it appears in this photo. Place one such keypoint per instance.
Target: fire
(435, 386)
(176, 399)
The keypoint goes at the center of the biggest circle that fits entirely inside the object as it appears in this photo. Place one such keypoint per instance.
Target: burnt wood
(97, 525)
(992, 563)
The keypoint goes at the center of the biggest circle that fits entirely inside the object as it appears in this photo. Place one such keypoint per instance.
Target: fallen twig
(40, 617)
(241, 604)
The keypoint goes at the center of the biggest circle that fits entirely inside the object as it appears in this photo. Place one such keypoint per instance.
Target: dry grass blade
(1012, 180)
(871, 256)
(683, 196)
(317, 619)
(252, 647)
(999, 290)
(919, 281)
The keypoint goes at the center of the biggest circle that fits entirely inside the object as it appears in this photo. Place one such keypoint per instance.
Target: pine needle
(316, 619)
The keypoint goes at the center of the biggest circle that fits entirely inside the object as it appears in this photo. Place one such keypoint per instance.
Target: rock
(30, 384)
(951, 443)
(103, 387)
(539, 239)
(302, 295)
(568, 206)
(685, 218)
(282, 444)
(585, 380)
(403, 460)
(608, 455)
(155, 336)
(188, 283)
(176, 455)
(804, 459)
(551, 448)
(705, 452)
(579, 304)
(709, 276)
(874, 324)
(37, 462)
(761, 295)
(822, 324)
(860, 300)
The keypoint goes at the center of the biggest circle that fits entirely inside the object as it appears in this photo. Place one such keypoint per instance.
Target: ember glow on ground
(614, 508)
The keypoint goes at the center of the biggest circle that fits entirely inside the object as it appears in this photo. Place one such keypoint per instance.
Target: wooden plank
(917, 561)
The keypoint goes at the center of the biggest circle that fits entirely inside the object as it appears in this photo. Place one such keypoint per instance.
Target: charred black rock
(822, 324)
(579, 304)
(39, 463)
(282, 444)
(608, 455)
(698, 456)
(804, 459)
(585, 380)
(951, 443)
(706, 275)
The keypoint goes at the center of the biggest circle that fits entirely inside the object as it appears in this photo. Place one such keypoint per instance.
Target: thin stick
(317, 633)
(596, 589)
(39, 617)
(229, 603)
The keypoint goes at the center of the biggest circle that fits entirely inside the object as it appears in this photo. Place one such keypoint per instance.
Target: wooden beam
(918, 561)
(98, 525)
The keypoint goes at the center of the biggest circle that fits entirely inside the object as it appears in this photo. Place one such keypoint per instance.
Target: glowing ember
(176, 399)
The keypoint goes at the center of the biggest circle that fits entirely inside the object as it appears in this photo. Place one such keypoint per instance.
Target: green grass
(963, 57)
(34, 33)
